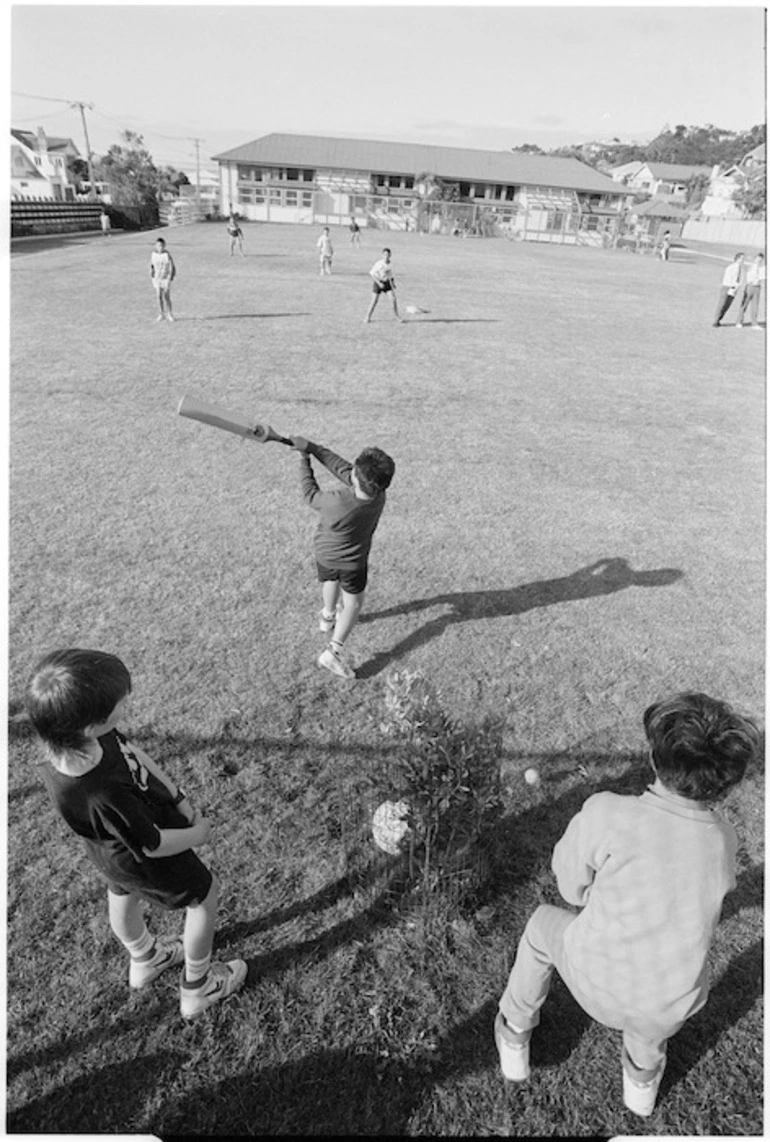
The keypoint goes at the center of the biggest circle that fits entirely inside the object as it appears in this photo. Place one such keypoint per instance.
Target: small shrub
(449, 773)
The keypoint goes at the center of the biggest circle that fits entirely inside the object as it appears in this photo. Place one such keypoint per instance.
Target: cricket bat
(196, 408)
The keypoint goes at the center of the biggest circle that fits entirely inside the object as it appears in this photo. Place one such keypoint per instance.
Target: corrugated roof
(680, 171)
(658, 208)
(454, 163)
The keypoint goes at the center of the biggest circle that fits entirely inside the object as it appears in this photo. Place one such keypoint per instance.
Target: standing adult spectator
(104, 218)
(732, 280)
(755, 275)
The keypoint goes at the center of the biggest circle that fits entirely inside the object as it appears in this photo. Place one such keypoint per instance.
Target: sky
(485, 76)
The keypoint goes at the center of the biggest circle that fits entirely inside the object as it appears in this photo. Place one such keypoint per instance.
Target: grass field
(575, 528)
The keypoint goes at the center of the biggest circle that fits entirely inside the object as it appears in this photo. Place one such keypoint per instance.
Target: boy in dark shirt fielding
(343, 538)
(137, 825)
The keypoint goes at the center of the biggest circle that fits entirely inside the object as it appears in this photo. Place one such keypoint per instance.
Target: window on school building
(259, 195)
(274, 197)
(245, 174)
(308, 176)
(307, 198)
(359, 202)
(555, 221)
(292, 174)
(291, 197)
(465, 190)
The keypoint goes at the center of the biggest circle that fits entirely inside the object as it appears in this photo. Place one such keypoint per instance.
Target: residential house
(308, 178)
(719, 202)
(39, 166)
(665, 180)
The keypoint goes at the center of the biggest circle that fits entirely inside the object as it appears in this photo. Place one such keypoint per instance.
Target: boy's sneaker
(333, 660)
(514, 1056)
(168, 954)
(223, 980)
(640, 1097)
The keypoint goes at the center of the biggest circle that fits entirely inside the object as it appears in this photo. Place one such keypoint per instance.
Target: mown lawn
(576, 527)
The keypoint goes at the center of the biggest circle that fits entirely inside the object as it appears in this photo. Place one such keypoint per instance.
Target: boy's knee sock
(141, 949)
(195, 971)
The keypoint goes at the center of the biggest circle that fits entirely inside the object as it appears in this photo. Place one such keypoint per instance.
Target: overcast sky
(470, 75)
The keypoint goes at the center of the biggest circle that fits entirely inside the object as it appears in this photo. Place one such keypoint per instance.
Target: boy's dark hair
(386, 249)
(72, 689)
(374, 469)
(161, 240)
(700, 745)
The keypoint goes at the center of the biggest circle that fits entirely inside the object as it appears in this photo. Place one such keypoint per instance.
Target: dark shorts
(171, 882)
(353, 581)
(381, 287)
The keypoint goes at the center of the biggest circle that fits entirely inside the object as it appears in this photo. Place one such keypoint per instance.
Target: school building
(409, 186)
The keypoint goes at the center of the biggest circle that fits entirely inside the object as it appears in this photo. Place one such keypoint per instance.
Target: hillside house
(39, 166)
(719, 202)
(311, 179)
(664, 180)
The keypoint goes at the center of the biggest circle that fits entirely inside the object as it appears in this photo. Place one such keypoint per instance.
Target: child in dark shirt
(138, 827)
(343, 538)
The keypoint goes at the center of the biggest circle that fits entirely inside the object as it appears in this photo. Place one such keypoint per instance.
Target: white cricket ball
(390, 826)
(532, 777)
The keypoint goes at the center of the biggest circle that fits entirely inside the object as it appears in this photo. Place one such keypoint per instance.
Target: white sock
(195, 971)
(140, 947)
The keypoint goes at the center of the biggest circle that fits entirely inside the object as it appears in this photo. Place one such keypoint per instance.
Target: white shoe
(168, 954)
(514, 1057)
(223, 980)
(332, 660)
(170, 317)
(739, 325)
(160, 317)
(640, 1097)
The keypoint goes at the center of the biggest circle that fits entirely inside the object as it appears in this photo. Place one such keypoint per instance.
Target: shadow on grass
(241, 316)
(91, 1104)
(733, 996)
(604, 577)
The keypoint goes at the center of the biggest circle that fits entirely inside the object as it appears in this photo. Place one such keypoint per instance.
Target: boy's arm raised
(336, 465)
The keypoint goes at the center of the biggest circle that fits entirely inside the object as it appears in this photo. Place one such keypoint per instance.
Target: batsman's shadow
(601, 578)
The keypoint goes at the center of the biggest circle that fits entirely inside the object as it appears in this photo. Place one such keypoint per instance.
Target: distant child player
(325, 252)
(138, 827)
(732, 280)
(650, 874)
(355, 232)
(343, 538)
(752, 291)
(162, 273)
(104, 218)
(236, 235)
(383, 282)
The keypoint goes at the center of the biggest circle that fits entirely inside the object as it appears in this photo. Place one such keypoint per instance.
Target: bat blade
(196, 408)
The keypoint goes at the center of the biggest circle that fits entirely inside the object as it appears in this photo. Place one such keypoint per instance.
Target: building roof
(512, 168)
(53, 142)
(679, 171)
(659, 208)
(626, 169)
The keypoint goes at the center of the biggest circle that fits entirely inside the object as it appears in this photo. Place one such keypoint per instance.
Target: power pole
(198, 174)
(90, 106)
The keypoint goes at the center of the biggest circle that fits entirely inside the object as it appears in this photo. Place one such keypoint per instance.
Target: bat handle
(285, 440)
